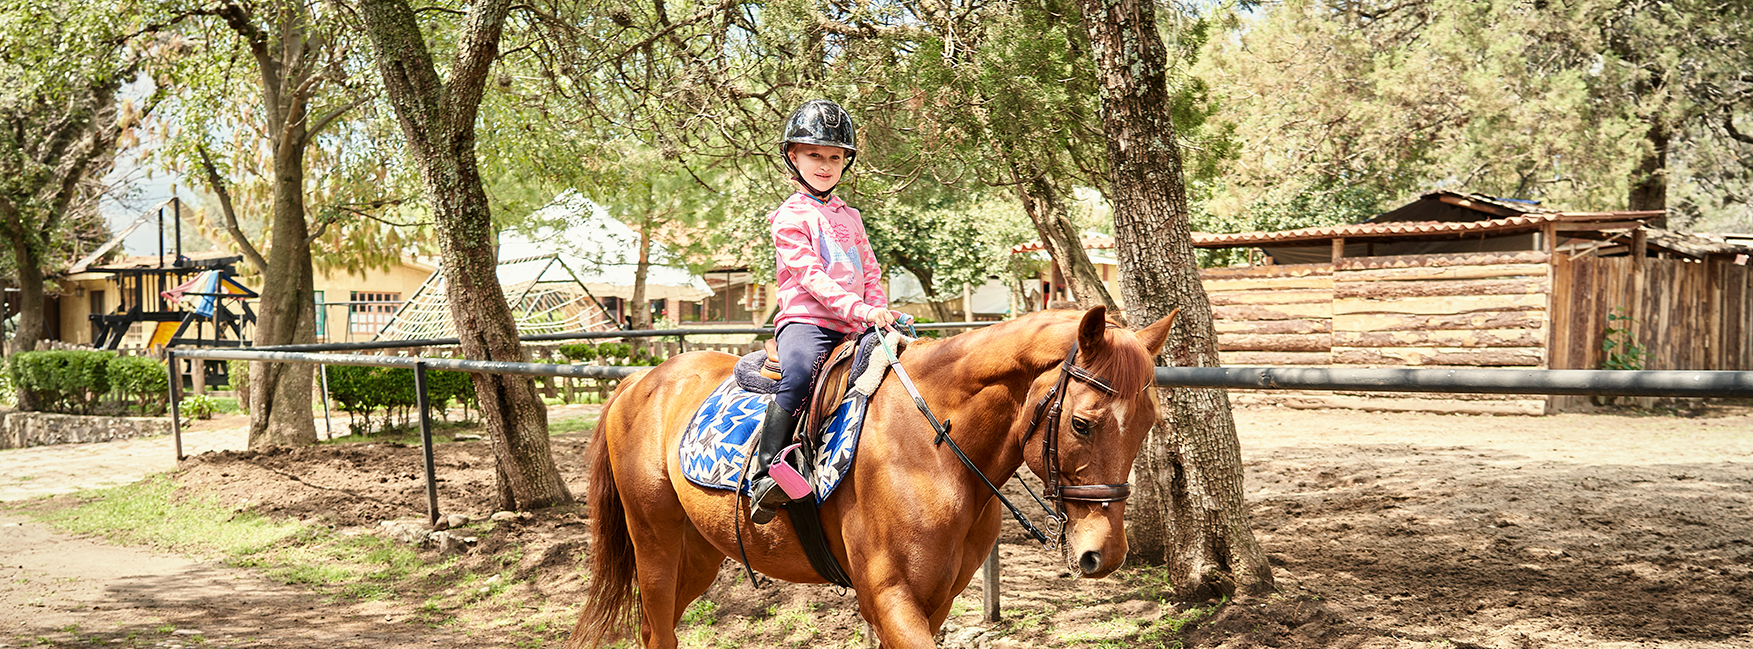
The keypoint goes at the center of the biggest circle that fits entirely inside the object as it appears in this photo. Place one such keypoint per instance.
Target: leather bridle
(1053, 404)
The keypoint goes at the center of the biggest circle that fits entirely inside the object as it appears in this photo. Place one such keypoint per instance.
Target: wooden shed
(1462, 280)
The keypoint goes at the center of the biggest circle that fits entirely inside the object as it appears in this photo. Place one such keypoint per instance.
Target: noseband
(1052, 404)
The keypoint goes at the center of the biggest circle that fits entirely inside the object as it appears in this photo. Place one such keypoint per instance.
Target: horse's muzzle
(1090, 562)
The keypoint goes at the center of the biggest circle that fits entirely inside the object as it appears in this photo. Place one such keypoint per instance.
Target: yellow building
(351, 306)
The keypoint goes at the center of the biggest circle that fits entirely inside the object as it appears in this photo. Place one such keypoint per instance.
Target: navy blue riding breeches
(803, 347)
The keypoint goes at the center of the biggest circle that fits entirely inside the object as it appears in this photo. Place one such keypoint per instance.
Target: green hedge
(141, 380)
(364, 392)
(75, 382)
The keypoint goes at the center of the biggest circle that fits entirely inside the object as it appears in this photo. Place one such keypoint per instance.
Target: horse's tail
(611, 609)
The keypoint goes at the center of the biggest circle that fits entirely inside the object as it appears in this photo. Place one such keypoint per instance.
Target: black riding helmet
(820, 122)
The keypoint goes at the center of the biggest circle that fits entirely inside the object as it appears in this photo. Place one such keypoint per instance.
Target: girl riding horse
(909, 522)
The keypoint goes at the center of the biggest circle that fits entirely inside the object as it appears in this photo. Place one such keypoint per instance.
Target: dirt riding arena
(1384, 530)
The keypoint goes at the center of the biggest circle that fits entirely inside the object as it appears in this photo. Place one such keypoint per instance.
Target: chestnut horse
(910, 523)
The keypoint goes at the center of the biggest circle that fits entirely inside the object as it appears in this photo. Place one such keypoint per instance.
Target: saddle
(759, 372)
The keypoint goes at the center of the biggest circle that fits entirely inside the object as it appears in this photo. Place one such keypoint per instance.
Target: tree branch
(477, 48)
(329, 117)
(225, 210)
(1729, 125)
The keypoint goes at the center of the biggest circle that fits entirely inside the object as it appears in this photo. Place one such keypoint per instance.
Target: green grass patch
(227, 406)
(147, 512)
(339, 566)
(1166, 631)
(583, 424)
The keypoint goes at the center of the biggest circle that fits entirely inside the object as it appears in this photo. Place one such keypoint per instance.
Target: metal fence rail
(1606, 383)
(681, 334)
(1686, 384)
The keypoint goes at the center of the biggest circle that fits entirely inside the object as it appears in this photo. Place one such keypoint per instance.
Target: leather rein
(1051, 405)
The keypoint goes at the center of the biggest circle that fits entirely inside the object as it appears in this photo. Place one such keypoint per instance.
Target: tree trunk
(31, 324)
(1047, 210)
(1189, 510)
(438, 119)
(282, 391)
(642, 307)
(1649, 182)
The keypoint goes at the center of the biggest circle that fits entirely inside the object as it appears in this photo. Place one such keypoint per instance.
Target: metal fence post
(176, 384)
(328, 430)
(989, 584)
(423, 403)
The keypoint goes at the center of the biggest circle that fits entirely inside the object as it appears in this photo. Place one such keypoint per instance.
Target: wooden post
(1338, 250)
(1639, 280)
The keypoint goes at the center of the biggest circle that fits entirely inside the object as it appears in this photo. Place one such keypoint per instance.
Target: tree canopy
(1340, 110)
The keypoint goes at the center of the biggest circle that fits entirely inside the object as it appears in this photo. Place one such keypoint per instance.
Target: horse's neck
(982, 379)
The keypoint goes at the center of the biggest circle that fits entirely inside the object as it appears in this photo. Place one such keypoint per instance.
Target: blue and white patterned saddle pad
(723, 432)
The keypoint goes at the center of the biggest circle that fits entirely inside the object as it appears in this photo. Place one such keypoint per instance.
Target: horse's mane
(1123, 362)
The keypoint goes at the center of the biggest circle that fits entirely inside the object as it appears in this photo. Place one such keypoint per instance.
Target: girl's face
(820, 166)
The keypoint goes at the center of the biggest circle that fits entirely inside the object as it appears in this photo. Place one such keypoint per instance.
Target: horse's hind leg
(700, 563)
(671, 575)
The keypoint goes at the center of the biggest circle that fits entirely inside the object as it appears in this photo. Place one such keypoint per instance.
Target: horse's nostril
(1090, 561)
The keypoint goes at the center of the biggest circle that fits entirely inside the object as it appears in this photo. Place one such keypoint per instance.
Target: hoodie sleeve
(873, 272)
(797, 253)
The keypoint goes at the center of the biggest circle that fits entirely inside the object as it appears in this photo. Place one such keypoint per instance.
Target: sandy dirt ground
(1384, 530)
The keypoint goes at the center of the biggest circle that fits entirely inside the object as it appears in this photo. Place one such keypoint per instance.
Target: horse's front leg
(907, 592)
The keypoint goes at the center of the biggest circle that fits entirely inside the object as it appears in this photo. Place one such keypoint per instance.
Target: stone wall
(23, 429)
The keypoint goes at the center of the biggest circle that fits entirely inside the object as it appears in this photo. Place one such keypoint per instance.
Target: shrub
(362, 392)
(237, 378)
(614, 353)
(141, 380)
(8, 392)
(579, 352)
(444, 386)
(65, 381)
(198, 406)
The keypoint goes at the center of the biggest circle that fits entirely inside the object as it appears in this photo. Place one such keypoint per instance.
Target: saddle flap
(835, 375)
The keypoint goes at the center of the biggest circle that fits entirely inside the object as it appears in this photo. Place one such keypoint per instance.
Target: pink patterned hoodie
(828, 275)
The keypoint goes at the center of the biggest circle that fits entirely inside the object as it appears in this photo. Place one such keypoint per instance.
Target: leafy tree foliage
(1581, 103)
(61, 119)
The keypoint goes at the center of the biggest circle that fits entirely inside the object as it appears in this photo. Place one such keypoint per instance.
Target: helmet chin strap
(820, 195)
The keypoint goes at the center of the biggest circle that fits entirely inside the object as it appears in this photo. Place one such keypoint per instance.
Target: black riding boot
(766, 495)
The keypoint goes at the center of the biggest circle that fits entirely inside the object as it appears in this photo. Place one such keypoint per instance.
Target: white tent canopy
(602, 252)
(554, 281)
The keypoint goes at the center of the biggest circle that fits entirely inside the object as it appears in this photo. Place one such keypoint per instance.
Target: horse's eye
(1082, 426)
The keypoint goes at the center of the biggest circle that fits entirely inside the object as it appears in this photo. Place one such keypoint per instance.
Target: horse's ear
(1153, 336)
(1091, 330)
